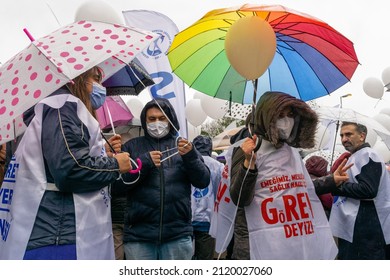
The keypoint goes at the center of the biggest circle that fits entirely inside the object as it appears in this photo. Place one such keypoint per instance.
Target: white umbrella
(339, 115)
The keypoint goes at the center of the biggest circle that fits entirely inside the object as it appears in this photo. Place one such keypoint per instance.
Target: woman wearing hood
(284, 216)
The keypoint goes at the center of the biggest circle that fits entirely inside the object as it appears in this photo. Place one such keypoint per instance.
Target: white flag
(155, 61)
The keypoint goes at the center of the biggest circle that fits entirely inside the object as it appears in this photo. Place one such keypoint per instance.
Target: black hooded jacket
(159, 203)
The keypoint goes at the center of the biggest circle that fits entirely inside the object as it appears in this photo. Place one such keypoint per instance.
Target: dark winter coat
(368, 240)
(303, 136)
(159, 203)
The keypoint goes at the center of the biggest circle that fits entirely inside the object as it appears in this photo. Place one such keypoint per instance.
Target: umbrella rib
(51, 61)
(196, 77)
(292, 75)
(314, 35)
(284, 17)
(293, 49)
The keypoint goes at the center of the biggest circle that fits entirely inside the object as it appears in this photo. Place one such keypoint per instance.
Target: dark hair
(361, 128)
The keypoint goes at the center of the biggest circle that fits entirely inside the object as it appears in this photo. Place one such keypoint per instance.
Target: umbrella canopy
(54, 60)
(130, 80)
(12, 130)
(312, 59)
(237, 111)
(113, 113)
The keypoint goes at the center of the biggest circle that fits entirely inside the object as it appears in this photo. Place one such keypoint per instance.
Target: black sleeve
(197, 170)
(325, 184)
(367, 182)
(241, 180)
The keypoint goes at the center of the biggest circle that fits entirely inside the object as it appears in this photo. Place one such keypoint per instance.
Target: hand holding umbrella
(113, 145)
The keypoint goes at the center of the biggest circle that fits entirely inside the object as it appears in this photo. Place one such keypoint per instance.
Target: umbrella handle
(28, 34)
(138, 169)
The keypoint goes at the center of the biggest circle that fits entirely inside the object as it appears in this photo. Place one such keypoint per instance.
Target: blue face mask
(98, 95)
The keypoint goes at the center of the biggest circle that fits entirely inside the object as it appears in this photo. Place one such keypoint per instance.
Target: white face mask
(284, 126)
(158, 129)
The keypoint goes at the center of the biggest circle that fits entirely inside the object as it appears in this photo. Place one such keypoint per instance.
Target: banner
(155, 61)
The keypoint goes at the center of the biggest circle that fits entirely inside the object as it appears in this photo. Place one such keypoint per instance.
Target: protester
(361, 208)
(284, 215)
(158, 216)
(317, 166)
(60, 206)
(202, 201)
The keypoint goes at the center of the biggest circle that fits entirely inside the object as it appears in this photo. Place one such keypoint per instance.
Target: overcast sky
(365, 23)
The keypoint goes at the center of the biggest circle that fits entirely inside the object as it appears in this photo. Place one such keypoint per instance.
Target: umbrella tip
(28, 34)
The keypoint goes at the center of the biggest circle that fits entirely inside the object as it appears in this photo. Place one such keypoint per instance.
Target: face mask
(158, 129)
(98, 95)
(284, 126)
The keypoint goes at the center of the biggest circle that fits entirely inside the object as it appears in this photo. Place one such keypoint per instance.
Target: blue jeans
(52, 252)
(178, 249)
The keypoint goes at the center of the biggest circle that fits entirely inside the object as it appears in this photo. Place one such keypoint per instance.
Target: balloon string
(377, 102)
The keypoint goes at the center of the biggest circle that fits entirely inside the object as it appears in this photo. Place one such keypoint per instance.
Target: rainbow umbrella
(312, 59)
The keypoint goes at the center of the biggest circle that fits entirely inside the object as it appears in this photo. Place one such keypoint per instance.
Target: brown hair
(79, 87)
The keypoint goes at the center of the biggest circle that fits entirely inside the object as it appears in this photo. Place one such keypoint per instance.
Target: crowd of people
(77, 199)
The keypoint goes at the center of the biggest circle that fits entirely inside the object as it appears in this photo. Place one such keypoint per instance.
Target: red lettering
(290, 230)
(289, 206)
(287, 231)
(220, 194)
(273, 218)
(302, 205)
(309, 203)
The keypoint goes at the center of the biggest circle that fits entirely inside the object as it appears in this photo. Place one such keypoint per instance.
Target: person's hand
(123, 162)
(184, 146)
(248, 147)
(116, 143)
(340, 175)
(156, 157)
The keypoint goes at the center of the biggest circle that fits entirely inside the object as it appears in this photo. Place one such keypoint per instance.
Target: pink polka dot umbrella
(54, 60)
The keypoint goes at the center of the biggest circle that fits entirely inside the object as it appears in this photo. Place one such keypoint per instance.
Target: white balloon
(383, 120)
(194, 112)
(373, 87)
(98, 11)
(382, 150)
(135, 106)
(213, 107)
(386, 76)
